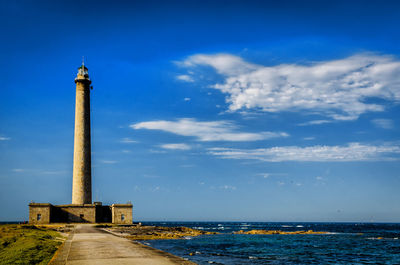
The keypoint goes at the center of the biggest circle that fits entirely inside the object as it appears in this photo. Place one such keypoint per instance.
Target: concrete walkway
(90, 245)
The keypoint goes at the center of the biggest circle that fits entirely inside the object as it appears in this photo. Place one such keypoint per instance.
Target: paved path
(90, 245)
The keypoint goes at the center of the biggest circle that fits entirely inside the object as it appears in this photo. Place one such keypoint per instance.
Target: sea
(345, 243)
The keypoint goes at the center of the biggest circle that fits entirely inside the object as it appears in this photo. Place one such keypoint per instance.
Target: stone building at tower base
(46, 213)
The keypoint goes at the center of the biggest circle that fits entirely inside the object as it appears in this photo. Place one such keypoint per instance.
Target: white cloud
(225, 64)
(128, 141)
(186, 99)
(186, 78)
(55, 172)
(187, 165)
(228, 187)
(309, 138)
(264, 175)
(155, 189)
(18, 170)
(337, 89)
(154, 151)
(176, 146)
(109, 161)
(206, 130)
(2, 138)
(350, 152)
(383, 123)
(314, 122)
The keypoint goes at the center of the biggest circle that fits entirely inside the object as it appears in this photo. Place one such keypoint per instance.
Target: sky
(206, 110)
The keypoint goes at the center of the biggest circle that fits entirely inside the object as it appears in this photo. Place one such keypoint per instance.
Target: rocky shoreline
(278, 232)
(139, 232)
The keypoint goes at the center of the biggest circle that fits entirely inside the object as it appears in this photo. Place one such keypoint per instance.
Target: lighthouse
(82, 170)
(82, 210)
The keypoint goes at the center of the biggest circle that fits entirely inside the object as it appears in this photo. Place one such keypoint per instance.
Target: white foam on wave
(287, 225)
(299, 225)
(188, 237)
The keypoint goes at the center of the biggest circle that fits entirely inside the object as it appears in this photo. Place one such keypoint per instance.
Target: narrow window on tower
(39, 217)
(122, 217)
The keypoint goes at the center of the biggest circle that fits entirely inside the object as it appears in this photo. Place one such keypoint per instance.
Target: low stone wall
(44, 213)
(79, 213)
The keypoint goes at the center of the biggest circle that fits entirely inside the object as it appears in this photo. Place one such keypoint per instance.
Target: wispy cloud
(38, 171)
(180, 146)
(156, 151)
(335, 89)
(108, 161)
(350, 152)
(186, 78)
(267, 175)
(127, 140)
(186, 99)
(264, 175)
(227, 187)
(55, 172)
(206, 130)
(383, 123)
(314, 122)
(3, 138)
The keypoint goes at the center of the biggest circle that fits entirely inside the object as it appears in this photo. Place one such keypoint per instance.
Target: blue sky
(206, 110)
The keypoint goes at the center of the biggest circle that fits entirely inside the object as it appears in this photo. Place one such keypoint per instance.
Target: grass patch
(27, 244)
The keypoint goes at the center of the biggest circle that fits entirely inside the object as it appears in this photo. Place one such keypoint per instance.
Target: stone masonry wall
(119, 210)
(39, 213)
(80, 214)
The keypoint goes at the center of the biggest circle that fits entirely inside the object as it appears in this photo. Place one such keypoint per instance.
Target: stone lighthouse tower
(82, 172)
(82, 210)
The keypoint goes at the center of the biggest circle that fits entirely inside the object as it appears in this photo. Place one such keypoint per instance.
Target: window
(81, 216)
(122, 217)
(38, 217)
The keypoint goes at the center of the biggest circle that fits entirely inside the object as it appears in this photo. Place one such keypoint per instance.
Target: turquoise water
(346, 243)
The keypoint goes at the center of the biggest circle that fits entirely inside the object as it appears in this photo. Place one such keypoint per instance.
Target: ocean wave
(286, 225)
(299, 225)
